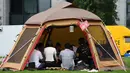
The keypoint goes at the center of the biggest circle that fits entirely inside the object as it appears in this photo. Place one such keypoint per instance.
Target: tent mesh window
(22, 45)
(99, 35)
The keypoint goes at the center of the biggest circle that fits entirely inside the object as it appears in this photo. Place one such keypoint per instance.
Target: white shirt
(74, 49)
(35, 57)
(67, 58)
(49, 53)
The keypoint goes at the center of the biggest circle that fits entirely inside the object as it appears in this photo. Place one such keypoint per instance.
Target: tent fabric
(64, 15)
(62, 11)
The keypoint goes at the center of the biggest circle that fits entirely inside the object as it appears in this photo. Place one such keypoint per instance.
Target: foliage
(105, 9)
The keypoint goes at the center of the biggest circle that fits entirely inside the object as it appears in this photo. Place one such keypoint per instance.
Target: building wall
(5, 6)
(1, 12)
(44, 2)
(4, 12)
(121, 9)
(8, 34)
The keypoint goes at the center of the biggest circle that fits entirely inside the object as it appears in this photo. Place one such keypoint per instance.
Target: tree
(105, 9)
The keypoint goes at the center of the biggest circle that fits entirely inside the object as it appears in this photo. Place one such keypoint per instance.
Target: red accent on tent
(90, 47)
(83, 26)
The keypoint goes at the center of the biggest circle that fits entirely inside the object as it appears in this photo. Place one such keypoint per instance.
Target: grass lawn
(54, 71)
(126, 60)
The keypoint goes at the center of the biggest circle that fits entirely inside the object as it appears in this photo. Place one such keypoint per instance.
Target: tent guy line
(17, 50)
(108, 53)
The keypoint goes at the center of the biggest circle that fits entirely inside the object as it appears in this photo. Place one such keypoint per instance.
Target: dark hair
(58, 44)
(49, 43)
(81, 41)
(67, 45)
(39, 46)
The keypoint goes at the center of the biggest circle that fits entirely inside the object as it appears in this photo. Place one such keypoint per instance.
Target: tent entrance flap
(17, 55)
(101, 38)
(107, 54)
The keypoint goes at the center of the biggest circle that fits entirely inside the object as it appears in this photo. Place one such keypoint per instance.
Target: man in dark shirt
(83, 52)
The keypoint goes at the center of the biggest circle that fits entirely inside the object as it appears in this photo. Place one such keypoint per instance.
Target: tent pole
(97, 64)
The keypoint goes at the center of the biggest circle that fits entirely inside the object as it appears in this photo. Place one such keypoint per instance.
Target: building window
(16, 6)
(127, 39)
(30, 6)
(128, 14)
(21, 10)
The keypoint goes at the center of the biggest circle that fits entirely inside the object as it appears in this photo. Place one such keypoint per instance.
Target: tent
(60, 24)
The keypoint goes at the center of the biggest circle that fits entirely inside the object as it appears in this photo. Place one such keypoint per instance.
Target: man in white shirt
(67, 57)
(50, 55)
(36, 57)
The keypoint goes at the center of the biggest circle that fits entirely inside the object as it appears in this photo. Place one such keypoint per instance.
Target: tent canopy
(63, 11)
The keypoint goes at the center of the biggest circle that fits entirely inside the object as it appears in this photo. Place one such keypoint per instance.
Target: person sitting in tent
(50, 55)
(74, 48)
(36, 57)
(67, 57)
(83, 52)
(58, 48)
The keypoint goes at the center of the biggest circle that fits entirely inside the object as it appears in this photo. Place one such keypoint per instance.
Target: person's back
(83, 51)
(67, 58)
(84, 54)
(35, 57)
(49, 53)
